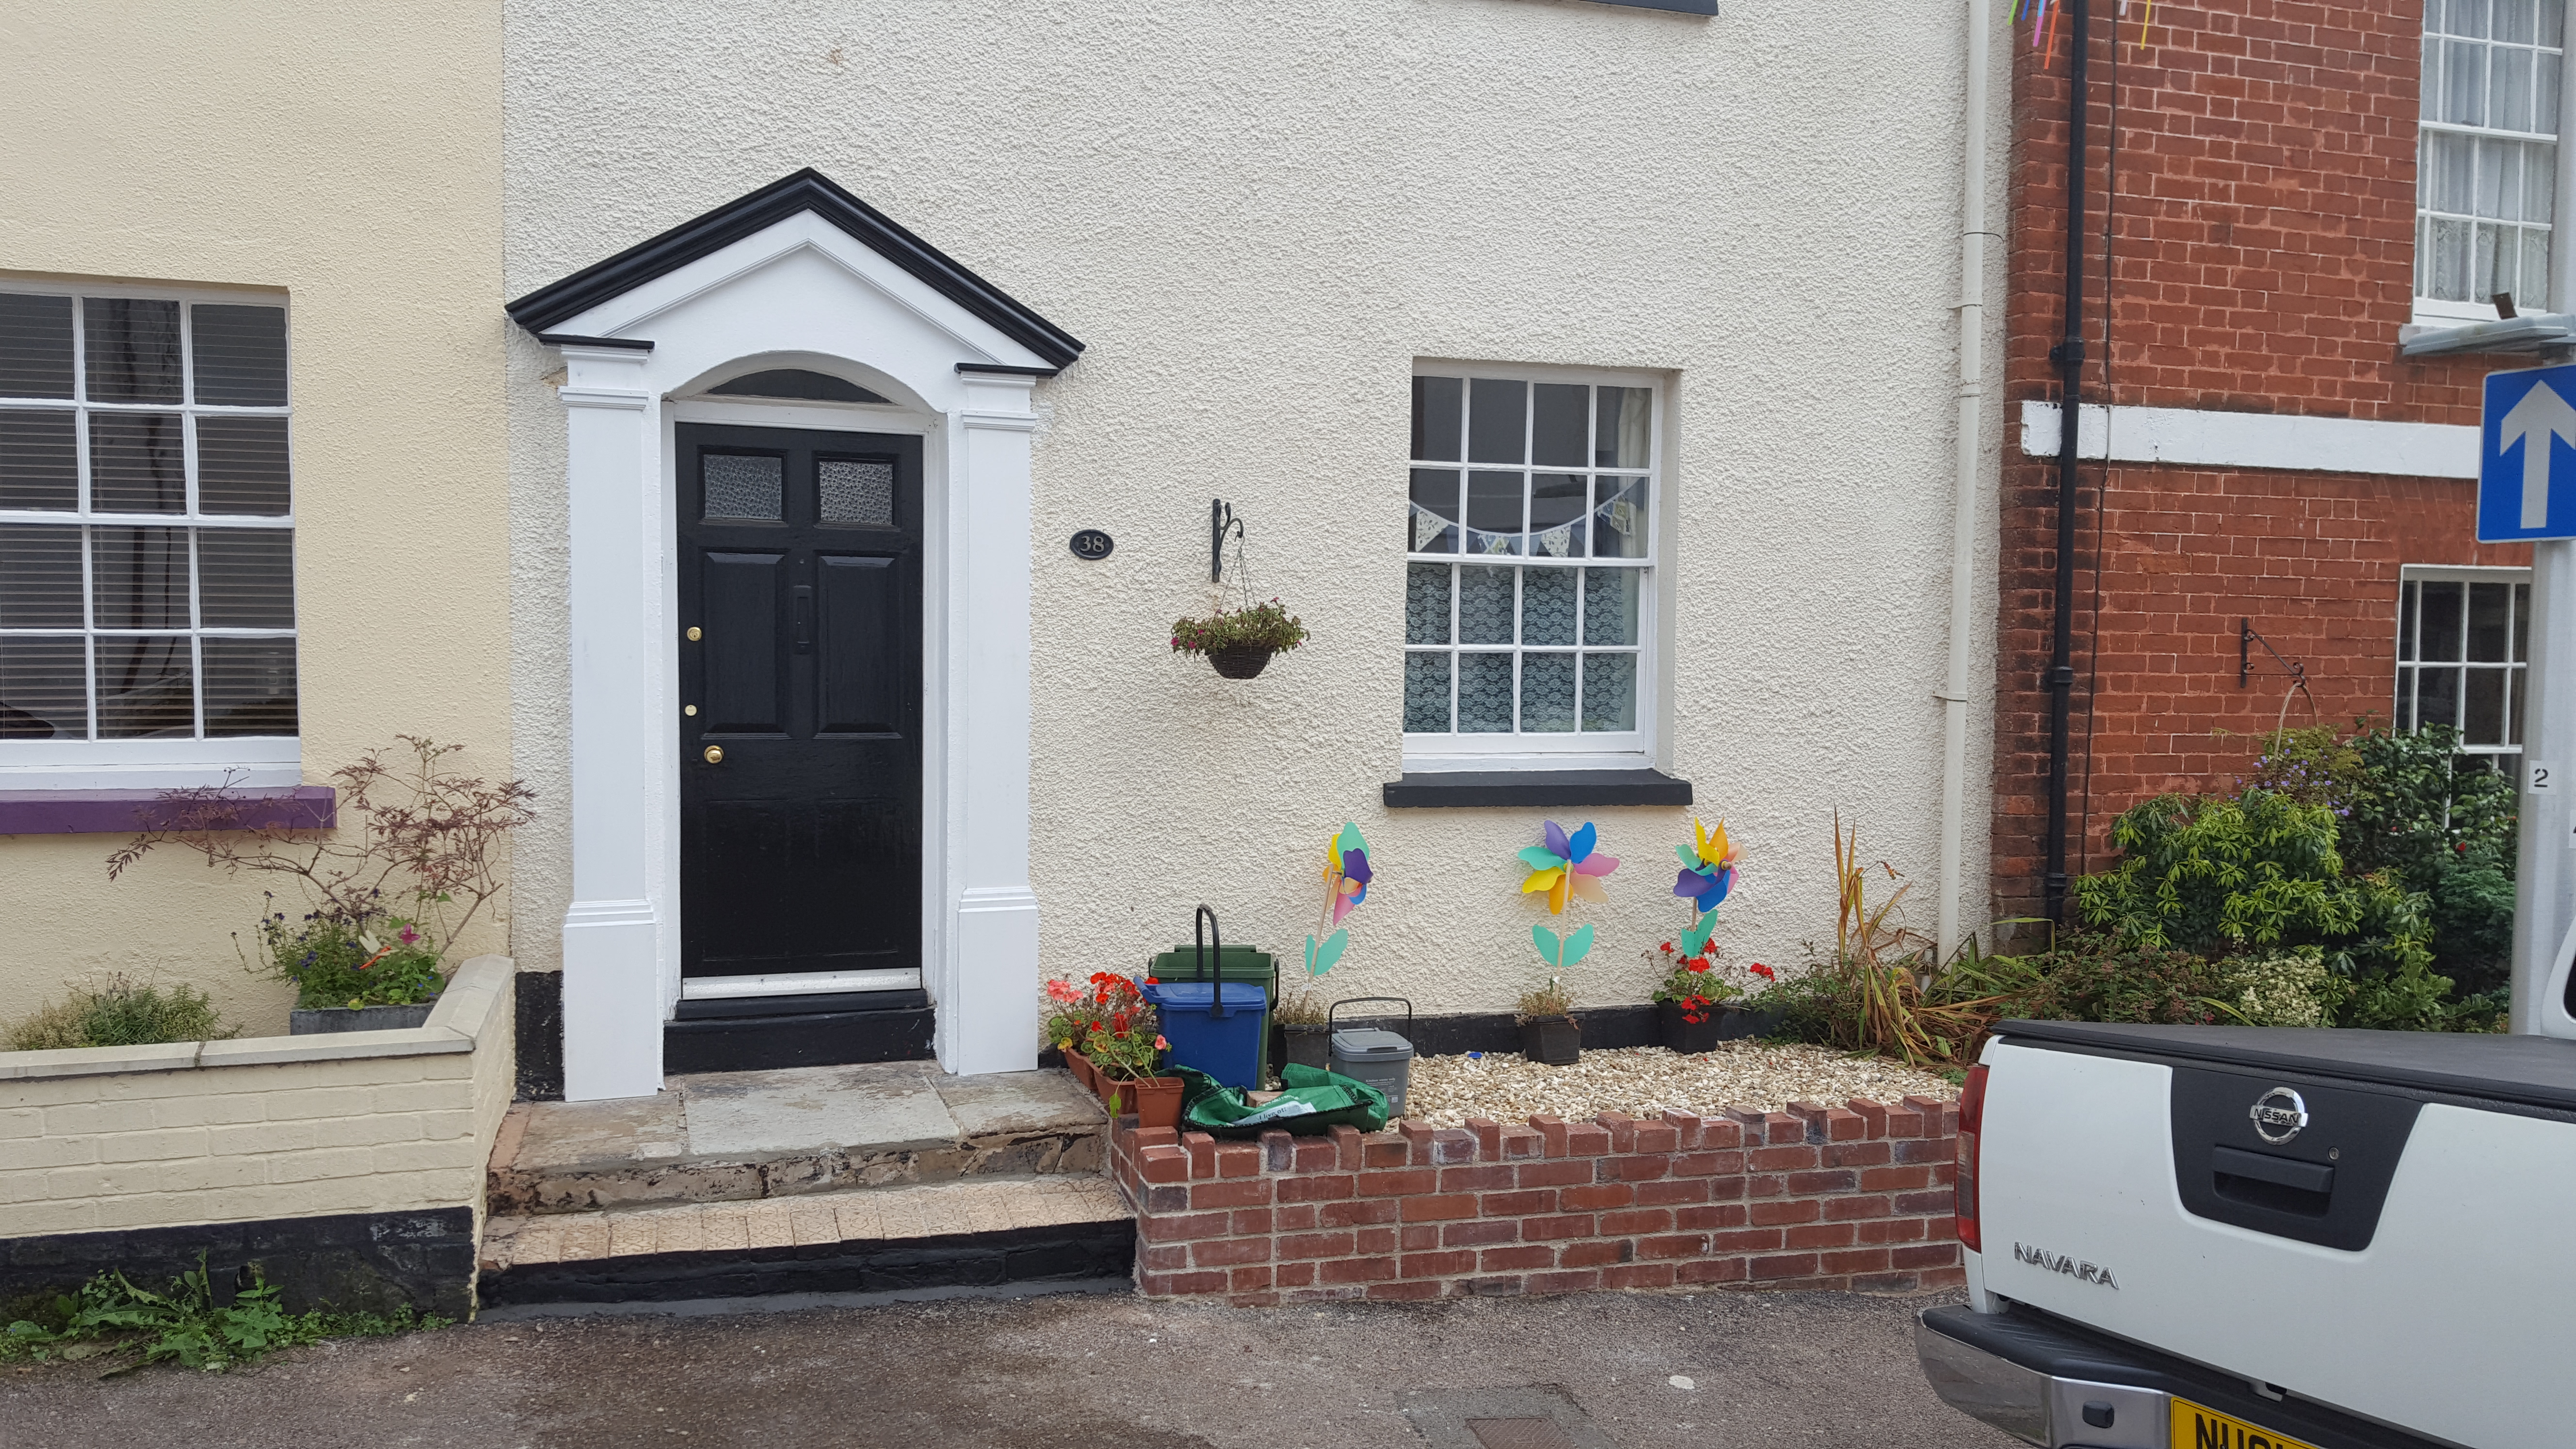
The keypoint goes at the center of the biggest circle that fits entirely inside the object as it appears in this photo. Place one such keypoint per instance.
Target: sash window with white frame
(147, 610)
(1529, 594)
(2486, 156)
(2463, 645)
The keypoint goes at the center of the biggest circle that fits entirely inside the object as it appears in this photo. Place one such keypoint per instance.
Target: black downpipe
(2068, 354)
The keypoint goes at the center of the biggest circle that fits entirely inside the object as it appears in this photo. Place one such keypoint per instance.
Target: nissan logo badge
(2278, 1115)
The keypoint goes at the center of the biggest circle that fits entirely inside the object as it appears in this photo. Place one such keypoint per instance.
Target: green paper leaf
(1320, 959)
(1697, 936)
(1539, 857)
(1548, 948)
(1577, 946)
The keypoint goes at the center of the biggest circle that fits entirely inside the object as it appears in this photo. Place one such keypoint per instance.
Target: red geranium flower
(1765, 972)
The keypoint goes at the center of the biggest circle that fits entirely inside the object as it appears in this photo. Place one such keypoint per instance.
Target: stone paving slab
(924, 1211)
(738, 1136)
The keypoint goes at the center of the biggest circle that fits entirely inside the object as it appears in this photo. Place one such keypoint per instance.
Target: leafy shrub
(120, 1013)
(184, 1324)
(2293, 988)
(2095, 978)
(2447, 825)
(369, 959)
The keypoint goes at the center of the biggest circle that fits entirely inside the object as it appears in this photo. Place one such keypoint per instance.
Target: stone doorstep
(746, 1136)
(926, 1210)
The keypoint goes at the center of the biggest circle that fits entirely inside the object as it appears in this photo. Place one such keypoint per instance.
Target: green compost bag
(1315, 1101)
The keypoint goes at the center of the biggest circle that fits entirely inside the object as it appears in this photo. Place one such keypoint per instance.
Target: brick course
(1748, 1198)
(2263, 226)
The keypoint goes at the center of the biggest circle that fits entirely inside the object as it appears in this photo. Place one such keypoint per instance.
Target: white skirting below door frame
(798, 293)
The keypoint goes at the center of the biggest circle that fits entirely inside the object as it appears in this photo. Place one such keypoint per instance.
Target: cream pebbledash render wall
(1260, 222)
(347, 165)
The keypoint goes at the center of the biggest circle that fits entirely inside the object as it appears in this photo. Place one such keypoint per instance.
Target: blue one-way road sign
(2527, 456)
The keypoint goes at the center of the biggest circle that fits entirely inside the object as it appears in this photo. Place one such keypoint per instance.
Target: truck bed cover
(2530, 1071)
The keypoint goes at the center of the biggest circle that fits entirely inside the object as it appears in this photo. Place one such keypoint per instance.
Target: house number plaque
(1091, 545)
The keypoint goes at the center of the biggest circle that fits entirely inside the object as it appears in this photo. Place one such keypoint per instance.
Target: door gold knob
(693, 633)
(714, 755)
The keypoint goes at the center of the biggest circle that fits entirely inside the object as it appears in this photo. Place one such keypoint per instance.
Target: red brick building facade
(2252, 168)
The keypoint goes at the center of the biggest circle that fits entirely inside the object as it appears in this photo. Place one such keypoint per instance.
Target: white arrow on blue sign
(2527, 457)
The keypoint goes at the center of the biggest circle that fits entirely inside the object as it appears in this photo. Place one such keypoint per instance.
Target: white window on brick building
(147, 592)
(2487, 156)
(1529, 583)
(2463, 636)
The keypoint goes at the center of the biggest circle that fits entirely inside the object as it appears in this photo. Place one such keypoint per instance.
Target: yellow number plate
(2197, 1428)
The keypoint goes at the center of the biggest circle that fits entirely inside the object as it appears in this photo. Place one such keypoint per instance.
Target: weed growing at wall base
(110, 1316)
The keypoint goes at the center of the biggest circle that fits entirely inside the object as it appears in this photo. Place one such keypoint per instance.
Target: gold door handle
(714, 755)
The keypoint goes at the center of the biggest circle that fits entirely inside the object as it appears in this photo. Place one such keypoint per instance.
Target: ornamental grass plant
(120, 1013)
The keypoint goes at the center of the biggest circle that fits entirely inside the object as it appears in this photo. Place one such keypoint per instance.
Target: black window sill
(1686, 7)
(1507, 789)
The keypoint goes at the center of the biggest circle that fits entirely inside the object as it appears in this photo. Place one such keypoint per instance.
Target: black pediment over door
(800, 765)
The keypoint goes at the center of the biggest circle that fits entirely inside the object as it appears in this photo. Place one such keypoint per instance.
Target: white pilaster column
(611, 939)
(988, 1013)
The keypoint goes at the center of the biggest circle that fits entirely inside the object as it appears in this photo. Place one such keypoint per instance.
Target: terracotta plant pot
(1082, 1069)
(1555, 1041)
(1242, 662)
(1681, 1034)
(1154, 1102)
(1307, 1046)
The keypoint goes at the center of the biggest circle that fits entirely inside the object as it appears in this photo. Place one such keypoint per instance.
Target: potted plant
(416, 856)
(1700, 1001)
(1125, 1049)
(1239, 642)
(1064, 1019)
(1549, 1033)
(1306, 1036)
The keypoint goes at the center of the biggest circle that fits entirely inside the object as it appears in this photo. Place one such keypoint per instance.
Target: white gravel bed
(1642, 1081)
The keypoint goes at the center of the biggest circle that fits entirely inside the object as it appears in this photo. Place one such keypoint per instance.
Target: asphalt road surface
(1082, 1372)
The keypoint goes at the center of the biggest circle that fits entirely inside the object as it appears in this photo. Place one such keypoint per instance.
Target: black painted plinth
(540, 1036)
(754, 1043)
(353, 1262)
(1070, 1253)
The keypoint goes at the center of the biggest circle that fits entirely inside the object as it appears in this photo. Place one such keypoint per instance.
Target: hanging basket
(1244, 661)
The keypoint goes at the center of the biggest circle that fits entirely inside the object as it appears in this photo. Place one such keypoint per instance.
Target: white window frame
(1576, 749)
(250, 761)
(2444, 312)
(2517, 671)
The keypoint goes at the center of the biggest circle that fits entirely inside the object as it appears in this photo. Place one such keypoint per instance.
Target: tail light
(1972, 1119)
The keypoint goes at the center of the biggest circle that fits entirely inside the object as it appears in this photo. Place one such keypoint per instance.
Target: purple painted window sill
(115, 812)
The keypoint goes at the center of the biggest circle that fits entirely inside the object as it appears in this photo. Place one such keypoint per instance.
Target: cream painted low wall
(260, 1128)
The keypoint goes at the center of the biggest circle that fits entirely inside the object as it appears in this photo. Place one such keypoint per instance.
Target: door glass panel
(857, 492)
(858, 649)
(746, 485)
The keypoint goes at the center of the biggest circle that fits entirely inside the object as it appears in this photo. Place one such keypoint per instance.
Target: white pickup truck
(2265, 1238)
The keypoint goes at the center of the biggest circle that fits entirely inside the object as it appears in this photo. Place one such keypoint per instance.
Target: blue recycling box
(1220, 1036)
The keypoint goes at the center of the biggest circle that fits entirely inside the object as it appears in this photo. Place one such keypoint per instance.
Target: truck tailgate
(2404, 1255)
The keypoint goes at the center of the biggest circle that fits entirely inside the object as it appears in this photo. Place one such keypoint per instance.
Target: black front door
(800, 692)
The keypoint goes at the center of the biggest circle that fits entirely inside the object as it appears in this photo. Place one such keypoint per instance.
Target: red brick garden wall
(2262, 224)
(1851, 1197)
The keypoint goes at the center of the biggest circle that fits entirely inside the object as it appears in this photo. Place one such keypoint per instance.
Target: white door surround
(803, 275)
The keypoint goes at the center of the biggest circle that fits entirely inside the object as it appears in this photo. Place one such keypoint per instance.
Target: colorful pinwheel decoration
(1708, 873)
(1566, 866)
(1346, 883)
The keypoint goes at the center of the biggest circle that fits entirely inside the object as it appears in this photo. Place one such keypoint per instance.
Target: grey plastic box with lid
(1378, 1057)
